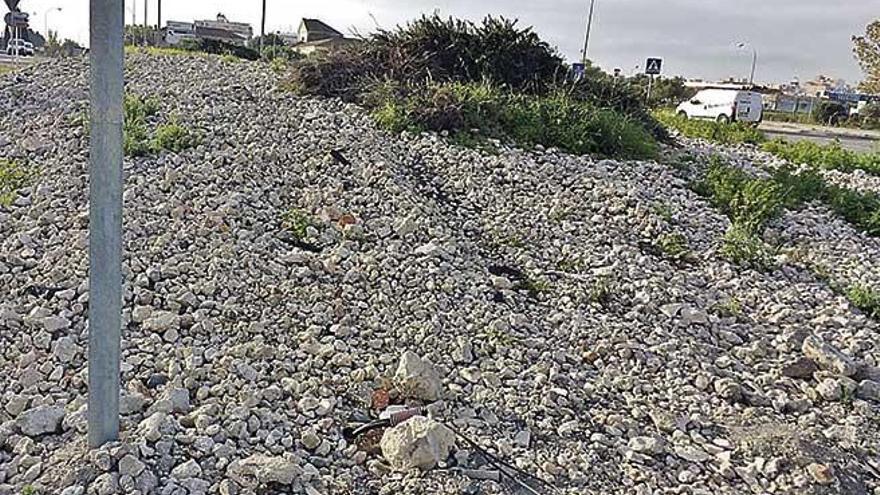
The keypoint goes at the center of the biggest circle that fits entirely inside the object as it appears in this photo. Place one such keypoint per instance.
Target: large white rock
(829, 357)
(40, 420)
(417, 378)
(419, 443)
(260, 469)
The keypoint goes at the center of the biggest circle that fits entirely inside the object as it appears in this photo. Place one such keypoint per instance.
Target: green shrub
(724, 133)
(859, 209)
(743, 247)
(829, 156)
(829, 112)
(800, 188)
(432, 53)
(870, 116)
(440, 50)
(866, 299)
(173, 137)
(13, 176)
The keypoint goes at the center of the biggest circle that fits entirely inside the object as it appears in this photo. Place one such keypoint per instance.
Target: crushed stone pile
(272, 287)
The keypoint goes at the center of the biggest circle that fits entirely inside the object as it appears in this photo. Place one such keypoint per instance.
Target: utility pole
(105, 218)
(589, 28)
(159, 16)
(146, 26)
(263, 28)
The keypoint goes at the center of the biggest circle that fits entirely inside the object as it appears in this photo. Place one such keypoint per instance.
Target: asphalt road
(853, 139)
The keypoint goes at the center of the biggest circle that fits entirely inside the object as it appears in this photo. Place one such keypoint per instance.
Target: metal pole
(159, 16)
(146, 12)
(589, 28)
(263, 28)
(46, 20)
(754, 65)
(650, 88)
(105, 218)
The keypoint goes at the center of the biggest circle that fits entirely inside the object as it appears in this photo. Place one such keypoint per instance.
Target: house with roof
(316, 36)
(311, 30)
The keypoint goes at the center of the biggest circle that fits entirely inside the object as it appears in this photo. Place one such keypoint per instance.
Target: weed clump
(743, 247)
(749, 202)
(674, 246)
(173, 137)
(13, 176)
(866, 299)
(297, 222)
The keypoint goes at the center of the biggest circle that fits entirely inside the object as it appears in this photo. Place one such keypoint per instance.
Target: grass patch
(730, 133)
(827, 156)
(476, 111)
(156, 51)
(13, 176)
(866, 299)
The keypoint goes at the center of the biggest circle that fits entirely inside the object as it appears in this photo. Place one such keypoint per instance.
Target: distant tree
(665, 92)
(867, 51)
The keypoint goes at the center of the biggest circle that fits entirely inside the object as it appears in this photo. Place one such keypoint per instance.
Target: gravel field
(556, 328)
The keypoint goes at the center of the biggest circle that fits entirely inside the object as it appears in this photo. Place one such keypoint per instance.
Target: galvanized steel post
(105, 218)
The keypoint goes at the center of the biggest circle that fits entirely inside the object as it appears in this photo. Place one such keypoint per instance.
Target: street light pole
(745, 44)
(46, 20)
(754, 65)
(589, 28)
(105, 218)
(263, 28)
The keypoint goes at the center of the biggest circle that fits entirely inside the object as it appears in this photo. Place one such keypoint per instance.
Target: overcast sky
(696, 38)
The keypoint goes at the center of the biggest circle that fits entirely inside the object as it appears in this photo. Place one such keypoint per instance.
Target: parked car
(724, 105)
(20, 46)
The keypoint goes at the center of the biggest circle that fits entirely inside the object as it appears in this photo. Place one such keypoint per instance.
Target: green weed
(173, 137)
(740, 245)
(748, 202)
(729, 133)
(297, 222)
(728, 308)
(674, 246)
(601, 291)
(866, 299)
(827, 156)
(13, 176)
(136, 112)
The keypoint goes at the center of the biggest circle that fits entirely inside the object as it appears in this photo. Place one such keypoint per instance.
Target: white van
(724, 105)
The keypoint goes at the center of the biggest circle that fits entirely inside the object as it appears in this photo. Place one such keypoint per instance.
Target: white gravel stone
(419, 443)
(40, 420)
(416, 377)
